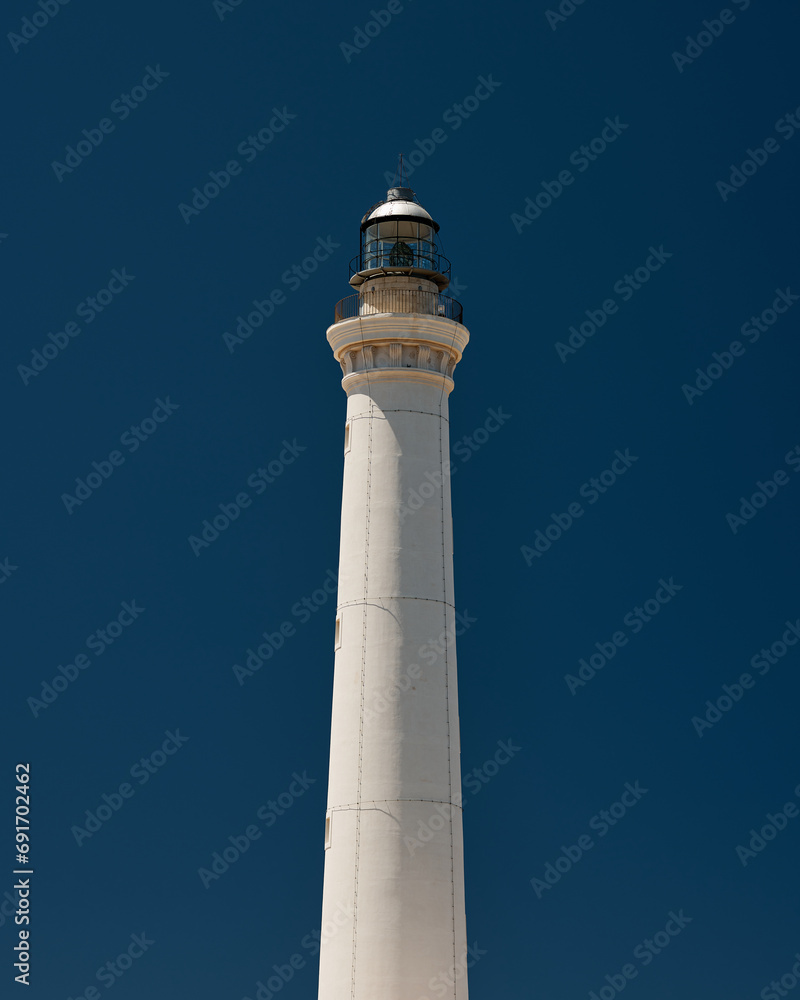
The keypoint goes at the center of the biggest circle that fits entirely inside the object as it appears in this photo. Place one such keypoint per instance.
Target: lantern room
(398, 237)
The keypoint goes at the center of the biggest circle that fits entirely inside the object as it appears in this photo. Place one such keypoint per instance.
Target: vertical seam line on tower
(447, 689)
(363, 681)
(447, 670)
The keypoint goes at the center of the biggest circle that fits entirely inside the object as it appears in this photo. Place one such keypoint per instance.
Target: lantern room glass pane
(399, 243)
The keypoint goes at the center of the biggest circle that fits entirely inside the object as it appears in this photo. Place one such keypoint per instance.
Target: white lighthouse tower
(393, 920)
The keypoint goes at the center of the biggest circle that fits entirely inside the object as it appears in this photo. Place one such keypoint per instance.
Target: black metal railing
(399, 260)
(398, 300)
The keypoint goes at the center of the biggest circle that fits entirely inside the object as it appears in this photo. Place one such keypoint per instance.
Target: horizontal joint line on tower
(426, 413)
(374, 802)
(393, 597)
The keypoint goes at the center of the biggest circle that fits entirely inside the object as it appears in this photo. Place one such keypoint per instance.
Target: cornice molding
(391, 344)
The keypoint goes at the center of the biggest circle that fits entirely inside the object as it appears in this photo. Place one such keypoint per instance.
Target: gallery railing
(398, 300)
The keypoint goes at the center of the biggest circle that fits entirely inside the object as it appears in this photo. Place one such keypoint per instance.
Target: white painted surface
(393, 917)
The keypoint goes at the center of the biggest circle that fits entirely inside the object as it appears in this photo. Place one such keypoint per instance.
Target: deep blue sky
(217, 80)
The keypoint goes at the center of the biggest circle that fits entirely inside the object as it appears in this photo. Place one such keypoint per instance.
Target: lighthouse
(393, 910)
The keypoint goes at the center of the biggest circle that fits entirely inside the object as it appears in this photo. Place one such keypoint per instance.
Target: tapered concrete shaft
(393, 916)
